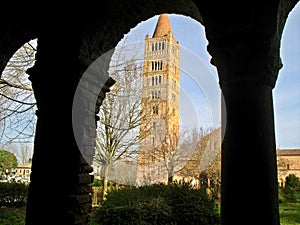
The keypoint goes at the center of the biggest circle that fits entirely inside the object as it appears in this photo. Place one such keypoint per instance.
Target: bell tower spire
(160, 104)
(163, 27)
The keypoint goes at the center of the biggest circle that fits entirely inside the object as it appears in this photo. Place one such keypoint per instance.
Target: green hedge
(158, 204)
(13, 194)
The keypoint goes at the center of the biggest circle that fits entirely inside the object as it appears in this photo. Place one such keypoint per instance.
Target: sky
(286, 93)
(199, 89)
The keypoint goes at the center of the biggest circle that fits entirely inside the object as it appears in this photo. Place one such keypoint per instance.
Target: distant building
(23, 170)
(288, 161)
(203, 165)
(160, 102)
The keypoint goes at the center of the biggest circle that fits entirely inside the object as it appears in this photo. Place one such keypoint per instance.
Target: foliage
(97, 182)
(289, 212)
(286, 195)
(158, 204)
(292, 181)
(13, 194)
(7, 160)
(10, 216)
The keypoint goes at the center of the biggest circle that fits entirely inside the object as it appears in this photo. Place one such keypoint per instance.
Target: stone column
(60, 190)
(59, 181)
(244, 44)
(249, 168)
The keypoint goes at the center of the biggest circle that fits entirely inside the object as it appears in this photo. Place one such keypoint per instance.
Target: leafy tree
(22, 151)
(7, 160)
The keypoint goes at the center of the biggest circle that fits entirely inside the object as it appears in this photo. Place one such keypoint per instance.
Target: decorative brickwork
(160, 102)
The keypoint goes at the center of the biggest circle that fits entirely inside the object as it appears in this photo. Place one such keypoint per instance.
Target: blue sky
(287, 90)
(200, 92)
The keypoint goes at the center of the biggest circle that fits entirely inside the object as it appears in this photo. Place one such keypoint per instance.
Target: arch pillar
(60, 188)
(244, 44)
(249, 167)
(59, 179)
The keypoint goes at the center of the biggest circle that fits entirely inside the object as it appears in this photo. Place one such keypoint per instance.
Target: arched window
(155, 110)
(155, 46)
(152, 47)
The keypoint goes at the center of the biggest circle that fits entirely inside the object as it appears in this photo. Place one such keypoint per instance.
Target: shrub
(286, 195)
(11, 216)
(97, 182)
(292, 181)
(158, 204)
(289, 194)
(13, 194)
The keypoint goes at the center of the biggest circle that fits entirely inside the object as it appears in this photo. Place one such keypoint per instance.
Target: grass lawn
(290, 212)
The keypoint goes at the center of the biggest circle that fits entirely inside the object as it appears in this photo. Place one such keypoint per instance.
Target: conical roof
(163, 26)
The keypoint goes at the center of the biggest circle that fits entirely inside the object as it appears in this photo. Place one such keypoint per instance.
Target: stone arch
(94, 36)
(106, 35)
(17, 98)
(229, 30)
(10, 41)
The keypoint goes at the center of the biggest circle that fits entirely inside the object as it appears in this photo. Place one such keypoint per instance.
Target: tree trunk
(170, 179)
(170, 176)
(105, 182)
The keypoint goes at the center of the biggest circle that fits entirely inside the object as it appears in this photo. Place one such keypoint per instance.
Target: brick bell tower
(160, 103)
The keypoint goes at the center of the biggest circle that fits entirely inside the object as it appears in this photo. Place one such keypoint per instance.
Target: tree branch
(5, 82)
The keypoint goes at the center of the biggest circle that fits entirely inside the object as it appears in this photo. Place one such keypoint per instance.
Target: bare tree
(213, 175)
(169, 155)
(120, 119)
(205, 158)
(17, 117)
(23, 152)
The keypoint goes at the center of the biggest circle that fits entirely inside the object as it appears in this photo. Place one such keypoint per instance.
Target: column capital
(244, 42)
(252, 61)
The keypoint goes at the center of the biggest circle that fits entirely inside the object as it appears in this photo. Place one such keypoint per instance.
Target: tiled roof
(25, 165)
(163, 26)
(288, 152)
